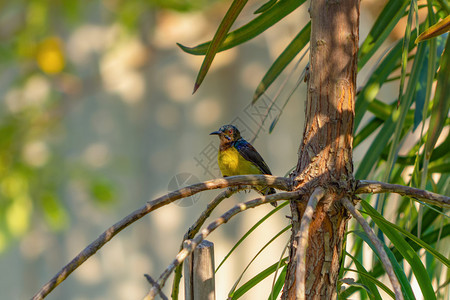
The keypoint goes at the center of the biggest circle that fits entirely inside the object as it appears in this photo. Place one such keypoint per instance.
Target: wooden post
(199, 281)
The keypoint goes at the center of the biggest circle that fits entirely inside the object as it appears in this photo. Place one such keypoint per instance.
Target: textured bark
(325, 155)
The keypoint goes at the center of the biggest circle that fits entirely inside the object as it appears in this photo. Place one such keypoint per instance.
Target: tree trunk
(325, 156)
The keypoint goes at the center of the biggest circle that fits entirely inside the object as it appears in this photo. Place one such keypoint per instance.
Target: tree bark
(325, 155)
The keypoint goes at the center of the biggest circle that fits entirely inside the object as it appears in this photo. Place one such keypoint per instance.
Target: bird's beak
(215, 133)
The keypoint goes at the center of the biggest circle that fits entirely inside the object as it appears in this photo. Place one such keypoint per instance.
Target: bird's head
(227, 134)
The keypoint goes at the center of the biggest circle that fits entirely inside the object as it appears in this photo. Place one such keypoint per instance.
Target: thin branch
(194, 229)
(302, 244)
(377, 187)
(378, 245)
(181, 256)
(154, 283)
(272, 181)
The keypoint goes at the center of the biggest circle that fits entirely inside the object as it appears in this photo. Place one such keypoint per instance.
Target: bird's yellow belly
(232, 163)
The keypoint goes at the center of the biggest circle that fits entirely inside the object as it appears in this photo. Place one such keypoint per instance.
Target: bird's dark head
(227, 134)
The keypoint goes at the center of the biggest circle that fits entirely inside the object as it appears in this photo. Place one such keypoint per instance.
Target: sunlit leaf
(437, 29)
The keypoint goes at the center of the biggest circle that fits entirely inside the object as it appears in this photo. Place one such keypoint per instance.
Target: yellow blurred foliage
(50, 56)
(13, 185)
(18, 215)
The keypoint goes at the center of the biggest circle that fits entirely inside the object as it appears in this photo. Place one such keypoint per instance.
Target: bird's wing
(249, 153)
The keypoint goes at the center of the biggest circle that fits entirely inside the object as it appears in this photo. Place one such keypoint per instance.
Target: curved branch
(376, 242)
(272, 181)
(181, 256)
(377, 187)
(302, 244)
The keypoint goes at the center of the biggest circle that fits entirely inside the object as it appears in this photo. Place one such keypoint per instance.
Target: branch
(154, 283)
(302, 244)
(272, 181)
(181, 256)
(194, 229)
(377, 244)
(376, 187)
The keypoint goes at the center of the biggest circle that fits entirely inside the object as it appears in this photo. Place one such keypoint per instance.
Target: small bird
(239, 157)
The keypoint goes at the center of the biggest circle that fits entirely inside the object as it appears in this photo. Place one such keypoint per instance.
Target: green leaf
(352, 283)
(405, 49)
(373, 281)
(256, 255)
(407, 252)
(369, 281)
(437, 29)
(257, 279)
(251, 29)
(278, 285)
(366, 131)
(291, 51)
(250, 231)
(390, 15)
(413, 238)
(377, 79)
(400, 116)
(376, 148)
(440, 166)
(441, 103)
(231, 15)
(265, 6)
(399, 272)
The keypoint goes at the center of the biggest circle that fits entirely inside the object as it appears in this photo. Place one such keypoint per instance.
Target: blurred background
(97, 117)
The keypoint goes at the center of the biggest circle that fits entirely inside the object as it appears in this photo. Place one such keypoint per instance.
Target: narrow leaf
(250, 231)
(256, 255)
(368, 281)
(278, 285)
(437, 29)
(413, 238)
(297, 44)
(377, 79)
(257, 279)
(387, 19)
(231, 15)
(364, 274)
(405, 50)
(399, 272)
(252, 29)
(441, 103)
(265, 6)
(407, 252)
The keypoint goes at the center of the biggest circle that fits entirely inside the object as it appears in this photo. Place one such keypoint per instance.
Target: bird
(238, 157)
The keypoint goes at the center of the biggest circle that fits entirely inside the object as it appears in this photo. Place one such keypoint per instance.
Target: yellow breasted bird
(239, 157)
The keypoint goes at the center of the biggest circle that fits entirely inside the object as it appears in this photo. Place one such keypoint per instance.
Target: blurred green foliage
(34, 84)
